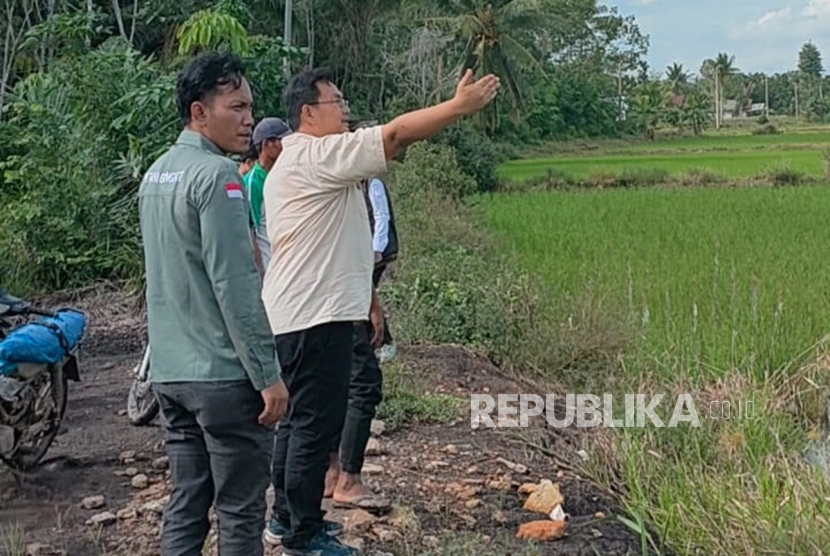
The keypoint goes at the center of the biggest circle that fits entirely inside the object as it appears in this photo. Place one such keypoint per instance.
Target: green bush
(78, 139)
(432, 168)
(450, 285)
(640, 177)
(75, 143)
(766, 129)
(477, 155)
(785, 175)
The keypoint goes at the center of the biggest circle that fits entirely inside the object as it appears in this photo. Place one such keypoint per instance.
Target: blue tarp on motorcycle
(46, 340)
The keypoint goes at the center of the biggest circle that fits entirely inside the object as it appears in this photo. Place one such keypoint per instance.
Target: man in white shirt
(385, 245)
(319, 280)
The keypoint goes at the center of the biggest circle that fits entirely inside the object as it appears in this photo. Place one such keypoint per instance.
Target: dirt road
(454, 489)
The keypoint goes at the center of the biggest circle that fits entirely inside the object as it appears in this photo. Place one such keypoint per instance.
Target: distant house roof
(678, 100)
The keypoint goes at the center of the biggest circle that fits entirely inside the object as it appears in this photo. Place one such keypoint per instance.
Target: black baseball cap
(270, 128)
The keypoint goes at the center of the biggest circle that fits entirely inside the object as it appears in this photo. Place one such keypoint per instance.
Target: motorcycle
(142, 405)
(38, 356)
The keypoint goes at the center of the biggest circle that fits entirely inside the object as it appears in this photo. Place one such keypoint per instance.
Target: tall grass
(12, 540)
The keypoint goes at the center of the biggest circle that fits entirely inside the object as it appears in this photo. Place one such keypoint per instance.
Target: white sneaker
(386, 353)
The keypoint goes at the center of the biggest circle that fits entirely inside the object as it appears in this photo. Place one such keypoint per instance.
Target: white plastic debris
(558, 514)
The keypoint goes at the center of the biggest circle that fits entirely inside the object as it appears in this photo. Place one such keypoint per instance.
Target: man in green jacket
(213, 358)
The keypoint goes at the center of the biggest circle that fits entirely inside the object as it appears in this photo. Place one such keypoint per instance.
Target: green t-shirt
(254, 183)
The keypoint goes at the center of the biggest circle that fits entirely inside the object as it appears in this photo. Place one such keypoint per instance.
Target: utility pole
(620, 93)
(766, 94)
(287, 35)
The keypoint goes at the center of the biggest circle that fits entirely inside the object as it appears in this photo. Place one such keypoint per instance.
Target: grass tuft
(12, 540)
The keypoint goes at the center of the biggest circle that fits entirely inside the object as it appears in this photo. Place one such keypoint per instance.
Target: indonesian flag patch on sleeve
(234, 191)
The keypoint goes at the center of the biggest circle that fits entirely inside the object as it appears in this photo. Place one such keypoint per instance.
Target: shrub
(432, 168)
(701, 176)
(452, 283)
(636, 177)
(79, 137)
(766, 129)
(786, 175)
(446, 289)
(477, 155)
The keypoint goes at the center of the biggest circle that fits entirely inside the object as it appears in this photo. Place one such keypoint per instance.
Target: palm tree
(649, 106)
(677, 77)
(723, 66)
(489, 29)
(695, 111)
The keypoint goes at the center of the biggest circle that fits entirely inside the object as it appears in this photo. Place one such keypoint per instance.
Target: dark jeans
(377, 274)
(219, 455)
(316, 370)
(365, 393)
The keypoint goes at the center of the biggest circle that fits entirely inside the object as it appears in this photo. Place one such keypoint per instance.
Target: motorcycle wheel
(142, 405)
(27, 457)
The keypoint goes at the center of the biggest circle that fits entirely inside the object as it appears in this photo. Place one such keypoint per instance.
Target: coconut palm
(677, 77)
(489, 30)
(720, 69)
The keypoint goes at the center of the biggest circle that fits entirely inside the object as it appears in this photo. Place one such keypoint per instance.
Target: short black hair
(203, 75)
(302, 89)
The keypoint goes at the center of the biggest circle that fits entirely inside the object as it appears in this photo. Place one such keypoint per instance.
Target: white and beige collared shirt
(321, 244)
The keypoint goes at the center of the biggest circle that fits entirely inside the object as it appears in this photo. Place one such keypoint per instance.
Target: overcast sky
(763, 35)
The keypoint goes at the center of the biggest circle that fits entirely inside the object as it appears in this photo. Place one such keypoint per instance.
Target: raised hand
(471, 96)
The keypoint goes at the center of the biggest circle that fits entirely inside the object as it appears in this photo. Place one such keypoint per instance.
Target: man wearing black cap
(267, 140)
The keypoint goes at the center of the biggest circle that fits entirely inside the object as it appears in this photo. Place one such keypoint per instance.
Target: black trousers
(219, 455)
(316, 365)
(365, 394)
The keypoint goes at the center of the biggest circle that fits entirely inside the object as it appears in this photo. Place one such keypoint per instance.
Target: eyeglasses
(341, 101)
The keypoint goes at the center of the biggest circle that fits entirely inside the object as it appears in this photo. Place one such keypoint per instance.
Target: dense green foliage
(87, 97)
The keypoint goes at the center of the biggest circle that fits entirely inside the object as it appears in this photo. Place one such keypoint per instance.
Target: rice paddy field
(707, 279)
(710, 278)
(723, 292)
(735, 156)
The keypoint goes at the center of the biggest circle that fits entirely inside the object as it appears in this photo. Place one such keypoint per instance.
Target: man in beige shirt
(319, 280)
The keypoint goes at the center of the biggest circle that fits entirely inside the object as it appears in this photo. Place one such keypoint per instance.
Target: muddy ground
(454, 489)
